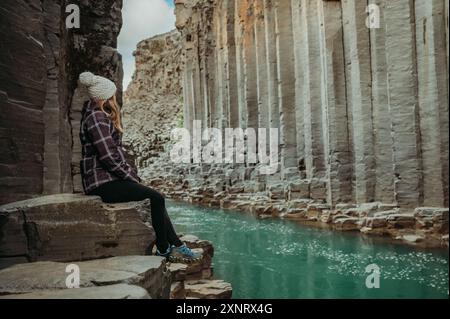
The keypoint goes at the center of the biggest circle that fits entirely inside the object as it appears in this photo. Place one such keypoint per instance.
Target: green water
(275, 258)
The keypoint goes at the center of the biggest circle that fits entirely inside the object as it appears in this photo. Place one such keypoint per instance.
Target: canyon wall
(362, 112)
(153, 102)
(40, 60)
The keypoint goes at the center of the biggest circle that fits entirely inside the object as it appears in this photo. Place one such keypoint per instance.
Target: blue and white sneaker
(183, 254)
(166, 254)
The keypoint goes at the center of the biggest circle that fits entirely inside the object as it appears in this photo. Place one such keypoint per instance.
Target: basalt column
(383, 148)
(22, 97)
(433, 99)
(239, 13)
(286, 87)
(261, 70)
(357, 89)
(217, 105)
(249, 60)
(334, 103)
(271, 63)
(311, 61)
(403, 101)
(361, 95)
(300, 89)
(232, 97)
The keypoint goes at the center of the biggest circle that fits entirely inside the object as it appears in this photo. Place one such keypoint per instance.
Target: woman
(105, 171)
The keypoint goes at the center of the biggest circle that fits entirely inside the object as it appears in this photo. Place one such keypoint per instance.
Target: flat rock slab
(66, 227)
(207, 289)
(148, 272)
(120, 291)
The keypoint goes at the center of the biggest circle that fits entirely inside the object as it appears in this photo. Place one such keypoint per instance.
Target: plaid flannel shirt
(103, 158)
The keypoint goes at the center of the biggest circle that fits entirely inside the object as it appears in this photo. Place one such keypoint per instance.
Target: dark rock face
(67, 227)
(40, 61)
(22, 97)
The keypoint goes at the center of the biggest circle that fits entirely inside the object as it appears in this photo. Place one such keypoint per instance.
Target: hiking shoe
(166, 254)
(183, 254)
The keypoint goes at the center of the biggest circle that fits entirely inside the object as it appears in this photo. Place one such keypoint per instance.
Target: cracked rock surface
(68, 227)
(148, 272)
(120, 291)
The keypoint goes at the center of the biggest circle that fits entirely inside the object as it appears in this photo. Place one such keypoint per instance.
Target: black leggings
(125, 191)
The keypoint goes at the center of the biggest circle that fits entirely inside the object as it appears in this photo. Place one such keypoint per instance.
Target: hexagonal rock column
(67, 227)
(48, 279)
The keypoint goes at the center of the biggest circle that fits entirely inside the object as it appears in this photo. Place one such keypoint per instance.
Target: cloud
(142, 19)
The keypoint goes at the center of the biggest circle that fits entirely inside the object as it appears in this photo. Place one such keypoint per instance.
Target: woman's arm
(97, 124)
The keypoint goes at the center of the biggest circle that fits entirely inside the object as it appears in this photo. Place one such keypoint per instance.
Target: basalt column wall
(358, 89)
(40, 60)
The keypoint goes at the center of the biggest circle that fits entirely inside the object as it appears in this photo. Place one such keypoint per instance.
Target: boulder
(67, 227)
(376, 222)
(201, 269)
(298, 189)
(148, 272)
(207, 289)
(346, 223)
(315, 210)
(432, 217)
(412, 238)
(295, 213)
(401, 220)
(318, 189)
(276, 191)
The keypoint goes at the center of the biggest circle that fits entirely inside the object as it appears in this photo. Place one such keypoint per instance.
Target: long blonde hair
(112, 108)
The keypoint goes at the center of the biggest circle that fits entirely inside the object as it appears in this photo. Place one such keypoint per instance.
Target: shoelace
(186, 250)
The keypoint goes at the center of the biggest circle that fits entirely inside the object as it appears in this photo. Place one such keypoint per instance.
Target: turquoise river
(275, 258)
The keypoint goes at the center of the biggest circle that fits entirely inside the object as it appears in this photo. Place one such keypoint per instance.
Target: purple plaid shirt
(103, 159)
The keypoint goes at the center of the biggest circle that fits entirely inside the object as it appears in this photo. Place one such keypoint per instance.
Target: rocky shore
(41, 238)
(240, 188)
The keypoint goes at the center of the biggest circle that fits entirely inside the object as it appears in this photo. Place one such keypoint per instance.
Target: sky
(142, 19)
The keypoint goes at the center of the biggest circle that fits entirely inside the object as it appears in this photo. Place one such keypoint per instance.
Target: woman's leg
(172, 236)
(126, 191)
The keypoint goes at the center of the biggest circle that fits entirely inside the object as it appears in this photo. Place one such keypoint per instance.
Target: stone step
(120, 291)
(67, 227)
(48, 277)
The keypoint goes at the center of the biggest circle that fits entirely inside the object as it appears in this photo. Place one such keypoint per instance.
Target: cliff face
(362, 112)
(39, 67)
(153, 102)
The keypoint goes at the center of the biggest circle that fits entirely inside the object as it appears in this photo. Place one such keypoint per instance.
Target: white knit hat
(99, 88)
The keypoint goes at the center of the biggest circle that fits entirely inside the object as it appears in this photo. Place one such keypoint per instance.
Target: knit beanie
(99, 88)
